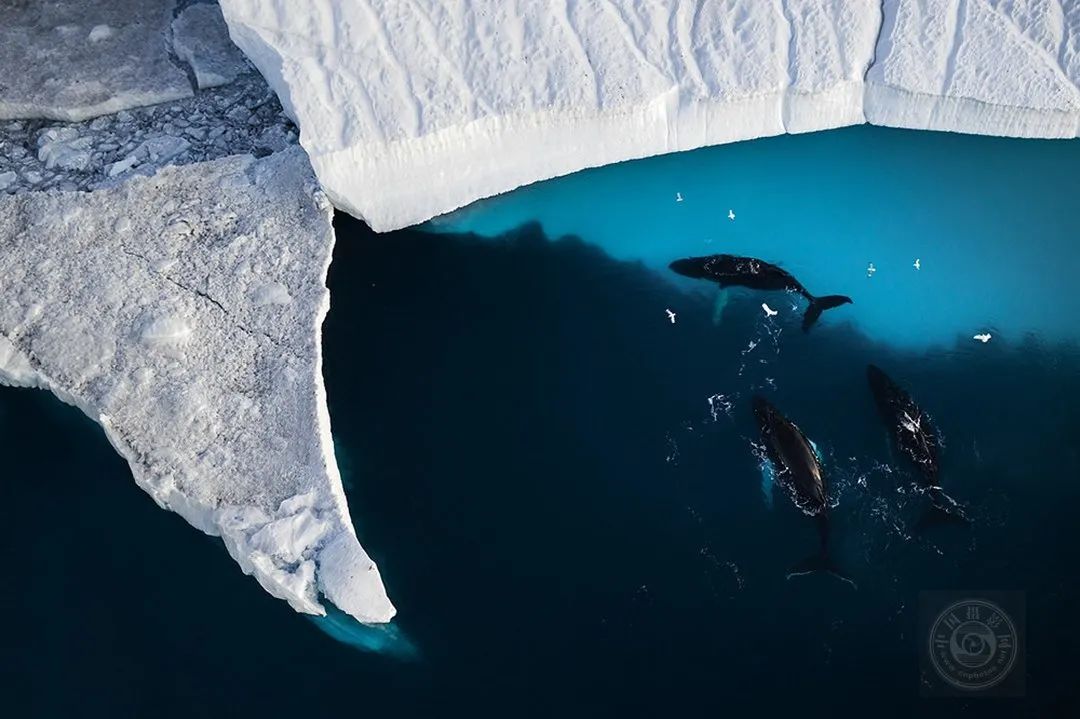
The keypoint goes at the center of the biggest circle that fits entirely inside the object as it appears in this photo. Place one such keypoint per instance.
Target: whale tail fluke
(820, 563)
(819, 305)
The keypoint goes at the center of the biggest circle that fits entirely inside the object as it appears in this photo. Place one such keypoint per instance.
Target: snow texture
(201, 39)
(411, 108)
(183, 313)
(76, 59)
(992, 67)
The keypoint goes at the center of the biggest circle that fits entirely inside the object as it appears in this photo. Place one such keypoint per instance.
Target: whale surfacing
(798, 469)
(755, 274)
(915, 437)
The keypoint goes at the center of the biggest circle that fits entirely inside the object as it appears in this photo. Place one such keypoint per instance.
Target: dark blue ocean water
(565, 522)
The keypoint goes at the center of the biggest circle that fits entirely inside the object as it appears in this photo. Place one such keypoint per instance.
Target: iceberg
(159, 277)
(183, 313)
(409, 110)
(173, 287)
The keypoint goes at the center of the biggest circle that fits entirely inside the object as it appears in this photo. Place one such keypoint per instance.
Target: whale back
(910, 427)
(793, 456)
(738, 271)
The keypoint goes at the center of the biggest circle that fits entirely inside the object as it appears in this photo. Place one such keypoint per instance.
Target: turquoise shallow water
(561, 487)
(992, 221)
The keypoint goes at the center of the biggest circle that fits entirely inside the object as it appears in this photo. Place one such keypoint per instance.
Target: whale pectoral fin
(768, 483)
(718, 306)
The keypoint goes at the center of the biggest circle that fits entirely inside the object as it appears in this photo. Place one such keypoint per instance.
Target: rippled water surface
(561, 485)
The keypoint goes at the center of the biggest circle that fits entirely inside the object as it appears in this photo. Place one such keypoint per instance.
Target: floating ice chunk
(272, 293)
(870, 270)
(201, 39)
(7, 179)
(162, 148)
(153, 153)
(121, 166)
(62, 147)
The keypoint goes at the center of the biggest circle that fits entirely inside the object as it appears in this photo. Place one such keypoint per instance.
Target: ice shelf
(412, 109)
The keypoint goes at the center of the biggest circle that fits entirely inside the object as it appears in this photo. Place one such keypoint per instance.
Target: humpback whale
(736, 271)
(798, 469)
(914, 435)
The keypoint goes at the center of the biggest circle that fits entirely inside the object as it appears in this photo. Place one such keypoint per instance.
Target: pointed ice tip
(349, 578)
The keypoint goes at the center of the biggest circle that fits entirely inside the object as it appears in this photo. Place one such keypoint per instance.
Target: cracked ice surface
(183, 312)
(76, 59)
(409, 109)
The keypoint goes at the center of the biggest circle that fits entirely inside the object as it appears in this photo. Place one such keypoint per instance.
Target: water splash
(721, 404)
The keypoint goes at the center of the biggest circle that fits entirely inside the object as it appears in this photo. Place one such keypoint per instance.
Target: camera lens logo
(973, 644)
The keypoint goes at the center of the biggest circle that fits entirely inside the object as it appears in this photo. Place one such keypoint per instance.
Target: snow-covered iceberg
(182, 312)
(412, 109)
(181, 307)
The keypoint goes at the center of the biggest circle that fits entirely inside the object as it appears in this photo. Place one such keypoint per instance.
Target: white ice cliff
(411, 108)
